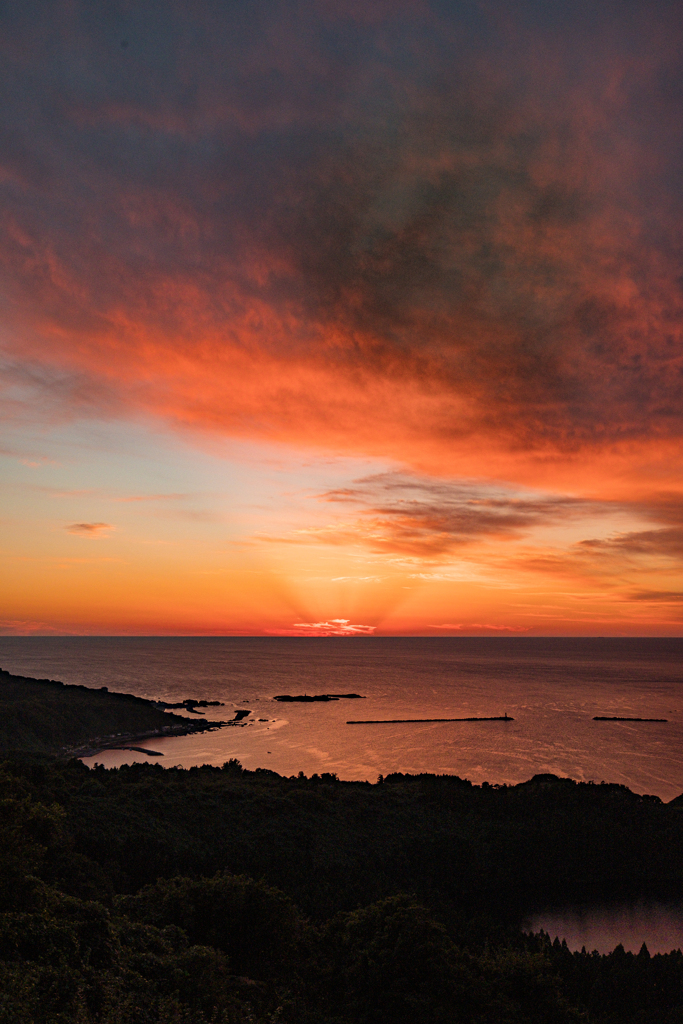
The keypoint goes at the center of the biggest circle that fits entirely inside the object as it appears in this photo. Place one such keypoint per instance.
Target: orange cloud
(334, 627)
(459, 254)
(411, 516)
(479, 625)
(445, 239)
(89, 529)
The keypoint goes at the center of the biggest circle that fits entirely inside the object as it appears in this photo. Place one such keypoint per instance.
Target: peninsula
(51, 717)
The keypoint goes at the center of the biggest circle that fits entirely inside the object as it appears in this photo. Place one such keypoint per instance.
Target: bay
(551, 687)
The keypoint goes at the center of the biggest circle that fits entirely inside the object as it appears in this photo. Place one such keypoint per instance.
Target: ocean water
(552, 688)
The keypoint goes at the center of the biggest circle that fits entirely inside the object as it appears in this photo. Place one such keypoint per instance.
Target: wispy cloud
(666, 542)
(38, 463)
(26, 627)
(107, 495)
(657, 596)
(150, 497)
(356, 579)
(333, 627)
(481, 625)
(408, 515)
(91, 530)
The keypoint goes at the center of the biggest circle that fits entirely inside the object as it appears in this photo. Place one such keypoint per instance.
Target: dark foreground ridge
(144, 895)
(401, 721)
(48, 716)
(618, 718)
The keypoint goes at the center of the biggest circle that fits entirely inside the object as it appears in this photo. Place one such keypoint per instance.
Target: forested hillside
(176, 897)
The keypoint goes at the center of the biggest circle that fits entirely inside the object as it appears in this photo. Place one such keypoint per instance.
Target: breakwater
(619, 718)
(407, 721)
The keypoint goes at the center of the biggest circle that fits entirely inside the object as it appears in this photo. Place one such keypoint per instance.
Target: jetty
(619, 718)
(406, 721)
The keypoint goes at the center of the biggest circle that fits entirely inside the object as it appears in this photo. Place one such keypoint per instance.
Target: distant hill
(47, 716)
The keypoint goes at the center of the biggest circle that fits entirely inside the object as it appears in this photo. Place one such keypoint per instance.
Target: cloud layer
(444, 233)
(431, 519)
(437, 238)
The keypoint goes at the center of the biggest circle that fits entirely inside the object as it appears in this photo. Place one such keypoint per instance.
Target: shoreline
(123, 741)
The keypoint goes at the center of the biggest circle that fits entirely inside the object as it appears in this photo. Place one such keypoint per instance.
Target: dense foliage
(161, 896)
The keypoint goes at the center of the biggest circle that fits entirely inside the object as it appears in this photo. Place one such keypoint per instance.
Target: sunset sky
(341, 317)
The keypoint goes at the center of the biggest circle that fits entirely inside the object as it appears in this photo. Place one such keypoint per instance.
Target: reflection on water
(658, 925)
(552, 688)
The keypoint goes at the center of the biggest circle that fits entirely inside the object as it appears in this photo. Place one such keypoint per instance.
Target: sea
(551, 689)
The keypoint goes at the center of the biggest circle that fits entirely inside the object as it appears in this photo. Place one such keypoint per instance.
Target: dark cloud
(431, 520)
(665, 542)
(425, 518)
(658, 596)
(254, 213)
(89, 529)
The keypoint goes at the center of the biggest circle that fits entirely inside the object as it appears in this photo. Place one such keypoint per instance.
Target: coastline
(123, 741)
(70, 720)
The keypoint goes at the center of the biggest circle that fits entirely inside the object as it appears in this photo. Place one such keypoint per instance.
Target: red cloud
(390, 229)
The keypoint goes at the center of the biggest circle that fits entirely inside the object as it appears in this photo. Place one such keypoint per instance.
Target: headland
(72, 720)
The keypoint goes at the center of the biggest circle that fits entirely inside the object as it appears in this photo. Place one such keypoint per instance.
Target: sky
(341, 318)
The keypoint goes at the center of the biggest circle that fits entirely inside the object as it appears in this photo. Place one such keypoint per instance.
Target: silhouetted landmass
(146, 895)
(48, 716)
(189, 705)
(143, 750)
(306, 699)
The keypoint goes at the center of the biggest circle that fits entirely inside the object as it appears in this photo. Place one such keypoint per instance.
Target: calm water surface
(551, 687)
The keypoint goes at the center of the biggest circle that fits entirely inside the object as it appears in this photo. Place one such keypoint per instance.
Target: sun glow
(389, 349)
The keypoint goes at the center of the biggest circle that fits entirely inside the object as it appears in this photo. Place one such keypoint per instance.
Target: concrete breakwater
(619, 718)
(406, 721)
